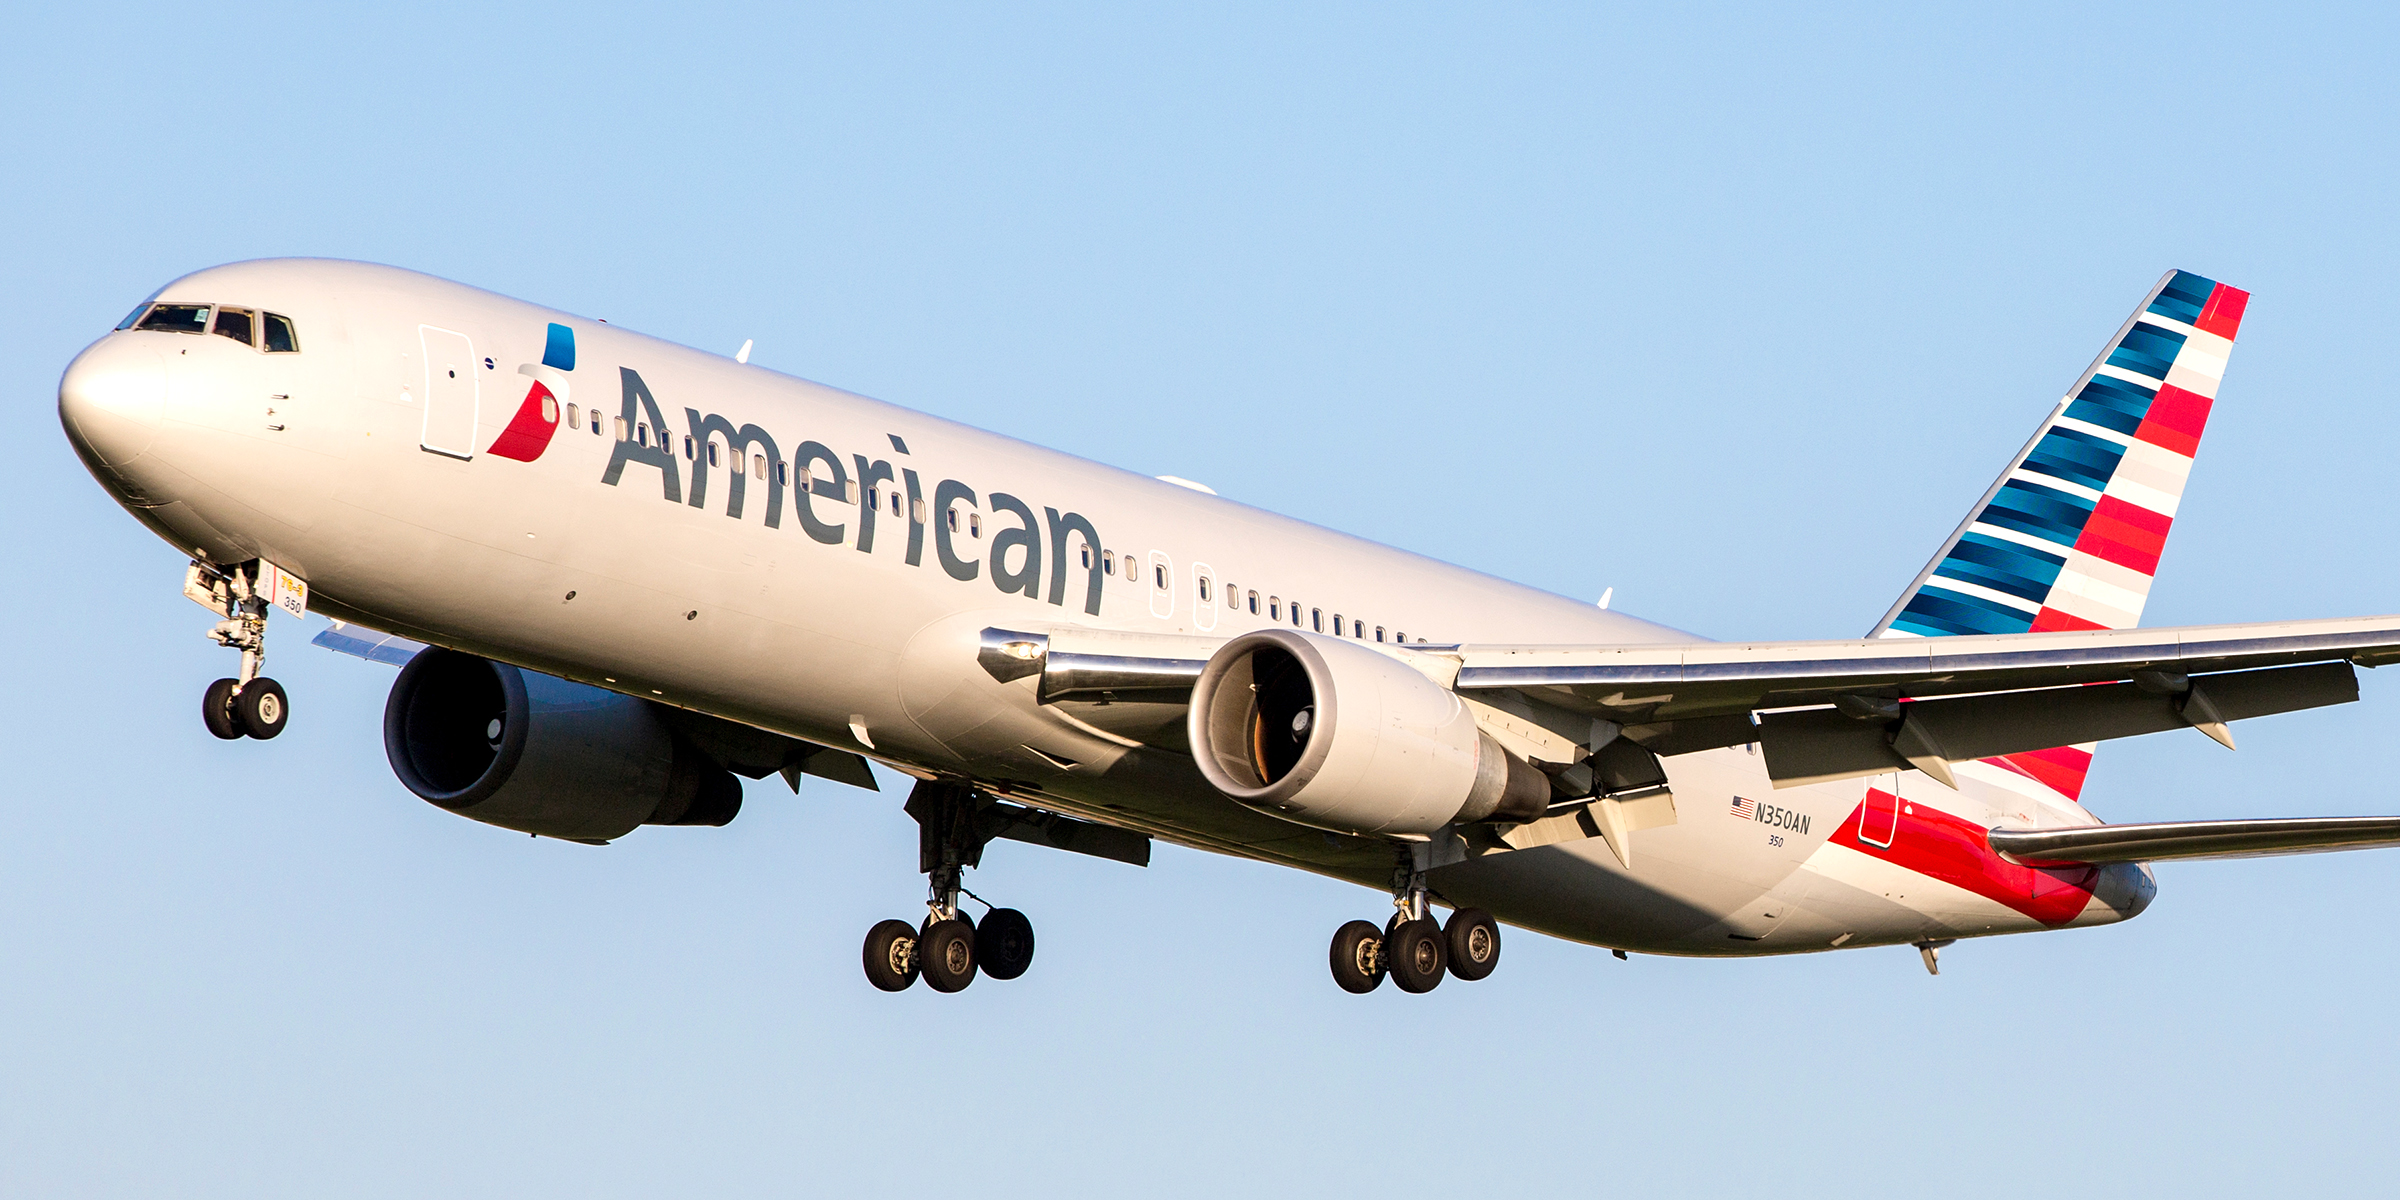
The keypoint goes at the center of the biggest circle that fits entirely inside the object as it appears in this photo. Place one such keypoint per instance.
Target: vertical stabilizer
(2070, 534)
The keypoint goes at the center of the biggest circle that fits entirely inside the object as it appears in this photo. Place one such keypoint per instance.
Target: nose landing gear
(250, 705)
(949, 949)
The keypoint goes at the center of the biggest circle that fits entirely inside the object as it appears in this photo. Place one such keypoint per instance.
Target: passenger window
(1274, 609)
(712, 455)
(895, 502)
(1161, 573)
(1379, 633)
(1108, 564)
(234, 323)
(574, 418)
(1204, 589)
(1295, 614)
(1401, 638)
(758, 466)
(1337, 624)
(277, 336)
(952, 516)
(641, 432)
(975, 529)
(689, 452)
(874, 497)
(1133, 569)
(783, 473)
(177, 318)
(1254, 604)
(1316, 619)
(808, 480)
(1358, 629)
(620, 428)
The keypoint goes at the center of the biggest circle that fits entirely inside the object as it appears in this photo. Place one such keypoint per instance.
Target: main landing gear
(948, 949)
(1412, 948)
(251, 705)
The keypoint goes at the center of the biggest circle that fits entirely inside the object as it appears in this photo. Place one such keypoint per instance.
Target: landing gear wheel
(216, 709)
(1474, 943)
(1004, 944)
(261, 708)
(1414, 955)
(891, 955)
(1358, 957)
(946, 955)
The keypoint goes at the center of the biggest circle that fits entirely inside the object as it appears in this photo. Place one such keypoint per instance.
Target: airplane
(620, 576)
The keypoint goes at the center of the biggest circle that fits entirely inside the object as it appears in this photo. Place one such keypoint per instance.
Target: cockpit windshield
(234, 323)
(176, 318)
(278, 337)
(266, 331)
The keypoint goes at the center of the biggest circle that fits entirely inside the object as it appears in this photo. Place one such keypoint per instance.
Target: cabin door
(450, 393)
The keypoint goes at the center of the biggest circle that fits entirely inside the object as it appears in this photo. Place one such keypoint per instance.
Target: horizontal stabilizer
(2195, 839)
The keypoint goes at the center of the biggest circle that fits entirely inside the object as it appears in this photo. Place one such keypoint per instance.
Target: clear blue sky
(1735, 313)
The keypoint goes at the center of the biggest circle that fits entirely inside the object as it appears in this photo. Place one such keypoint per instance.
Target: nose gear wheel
(249, 705)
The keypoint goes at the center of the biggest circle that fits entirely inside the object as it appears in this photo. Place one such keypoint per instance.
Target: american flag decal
(1745, 809)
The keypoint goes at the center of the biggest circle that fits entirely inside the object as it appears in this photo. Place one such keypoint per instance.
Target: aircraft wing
(1833, 710)
(1818, 710)
(2195, 839)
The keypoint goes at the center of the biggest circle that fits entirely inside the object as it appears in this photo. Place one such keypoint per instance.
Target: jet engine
(538, 754)
(1334, 735)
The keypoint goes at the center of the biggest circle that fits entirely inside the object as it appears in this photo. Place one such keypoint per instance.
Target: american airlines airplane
(620, 576)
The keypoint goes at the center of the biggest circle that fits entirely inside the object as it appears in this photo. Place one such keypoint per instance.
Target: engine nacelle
(538, 754)
(1333, 735)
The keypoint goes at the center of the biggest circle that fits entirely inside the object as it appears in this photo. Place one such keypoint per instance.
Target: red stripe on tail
(2176, 420)
(2222, 315)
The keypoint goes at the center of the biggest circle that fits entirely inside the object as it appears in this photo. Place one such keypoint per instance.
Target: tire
(946, 955)
(1415, 956)
(1357, 957)
(261, 709)
(1473, 940)
(216, 709)
(891, 955)
(1004, 944)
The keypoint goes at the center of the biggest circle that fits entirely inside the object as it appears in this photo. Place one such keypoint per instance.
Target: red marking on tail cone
(2062, 770)
(528, 433)
(1934, 843)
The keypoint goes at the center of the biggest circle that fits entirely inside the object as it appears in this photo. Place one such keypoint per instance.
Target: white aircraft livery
(621, 576)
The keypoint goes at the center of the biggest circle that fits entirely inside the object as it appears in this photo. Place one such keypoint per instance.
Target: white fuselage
(854, 608)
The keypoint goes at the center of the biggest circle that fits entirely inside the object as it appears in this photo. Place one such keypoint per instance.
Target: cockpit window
(279, 338)
(133, 316)
(234, 323)
(177, 318)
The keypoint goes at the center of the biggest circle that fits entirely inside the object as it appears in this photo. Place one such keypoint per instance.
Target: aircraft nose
(112, 398)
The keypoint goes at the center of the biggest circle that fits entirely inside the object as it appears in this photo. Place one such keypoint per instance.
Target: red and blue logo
(530, 431)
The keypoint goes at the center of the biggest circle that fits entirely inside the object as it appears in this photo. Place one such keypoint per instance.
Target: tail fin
(2070, 534)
